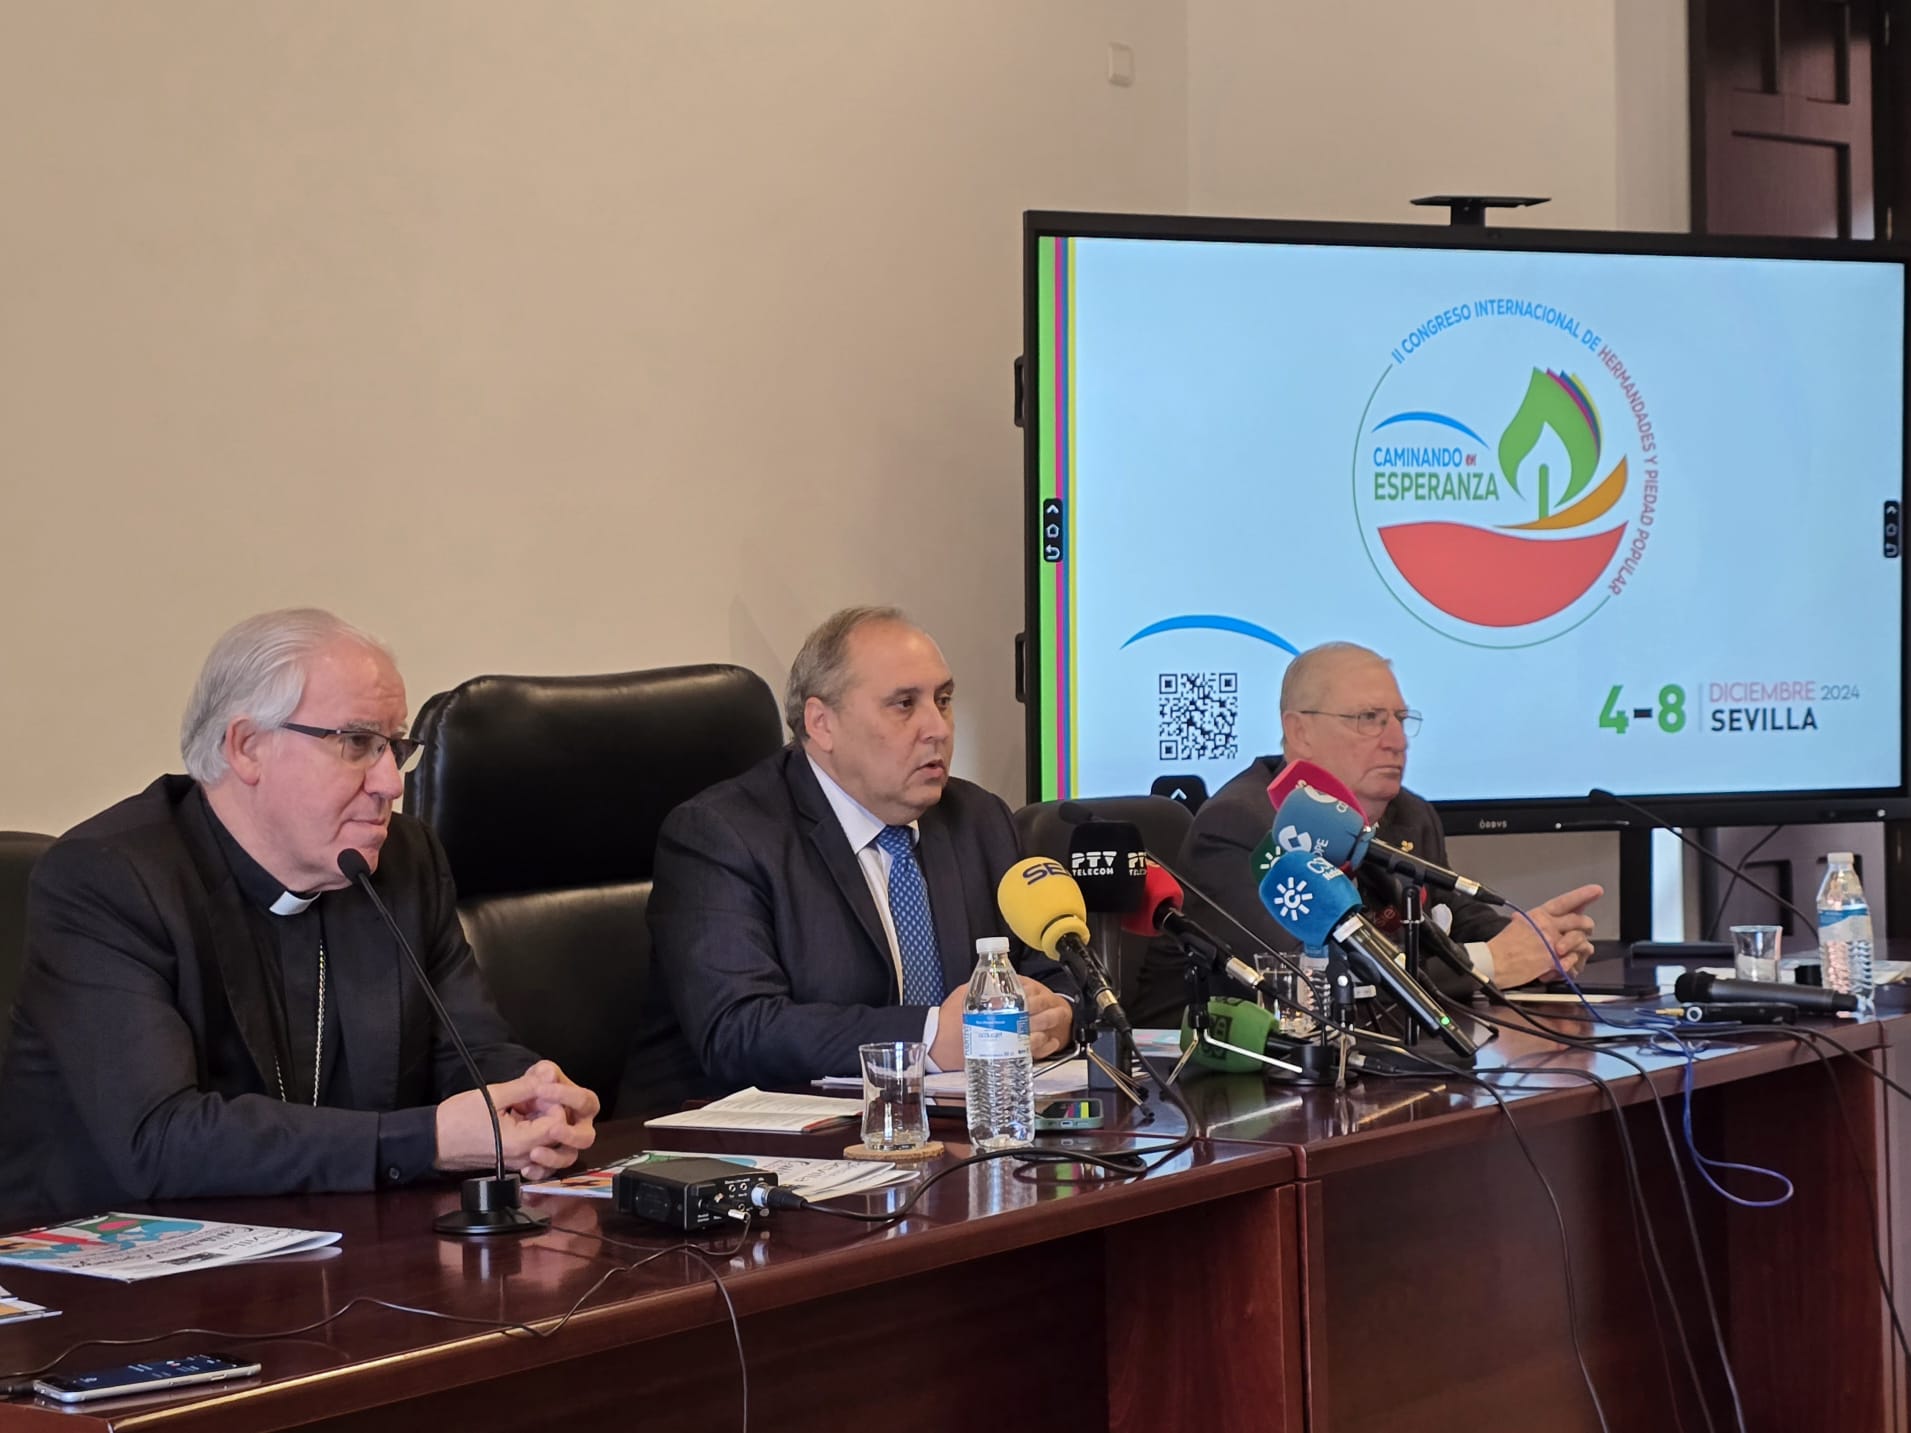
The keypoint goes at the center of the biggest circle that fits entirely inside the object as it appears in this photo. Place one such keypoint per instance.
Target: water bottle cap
(1840, 858)
(992, 945)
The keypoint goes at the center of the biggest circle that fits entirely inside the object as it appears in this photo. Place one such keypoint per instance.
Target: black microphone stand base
(1319, 1061)
(1105, 1069)
(488, 1206)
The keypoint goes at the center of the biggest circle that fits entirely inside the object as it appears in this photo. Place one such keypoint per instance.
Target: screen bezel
(1485, 815)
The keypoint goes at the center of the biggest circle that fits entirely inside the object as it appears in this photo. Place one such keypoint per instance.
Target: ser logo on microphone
(1033, 872)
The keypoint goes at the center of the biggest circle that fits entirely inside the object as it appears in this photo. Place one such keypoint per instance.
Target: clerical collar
(256, 884)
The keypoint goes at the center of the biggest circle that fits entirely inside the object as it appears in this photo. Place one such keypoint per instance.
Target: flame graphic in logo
(1518, 573)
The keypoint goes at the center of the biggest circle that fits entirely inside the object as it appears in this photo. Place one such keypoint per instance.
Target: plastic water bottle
(995, 1051)
(1844, 930)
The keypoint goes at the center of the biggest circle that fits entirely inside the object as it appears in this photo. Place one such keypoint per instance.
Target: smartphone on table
(1068, 1114)
(131, 1378)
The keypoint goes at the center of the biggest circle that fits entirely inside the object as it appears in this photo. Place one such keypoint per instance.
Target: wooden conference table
(1379, 1258)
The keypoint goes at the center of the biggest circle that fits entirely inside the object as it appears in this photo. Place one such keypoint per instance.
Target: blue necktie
(915, 927)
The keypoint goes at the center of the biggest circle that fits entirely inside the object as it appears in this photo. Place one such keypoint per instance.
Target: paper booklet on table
(755, 1111)
(130, 1247)
(16, 1310)
(812, 1178)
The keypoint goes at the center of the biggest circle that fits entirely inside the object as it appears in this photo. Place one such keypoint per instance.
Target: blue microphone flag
(1308, 897)
(1315, 824)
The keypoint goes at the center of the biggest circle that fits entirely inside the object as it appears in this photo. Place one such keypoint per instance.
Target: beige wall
(583, 336)
(538, 337)
(1312, 111)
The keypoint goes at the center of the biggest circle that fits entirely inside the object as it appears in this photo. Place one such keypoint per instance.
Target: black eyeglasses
(1371, 721)
(362, 749)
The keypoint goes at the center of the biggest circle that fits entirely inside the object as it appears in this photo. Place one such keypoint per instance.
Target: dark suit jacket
(1218, 856)
(141, 1064)
(766, 935)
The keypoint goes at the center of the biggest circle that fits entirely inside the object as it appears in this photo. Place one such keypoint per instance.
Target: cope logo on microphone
(1506, 472)
(1292, 838)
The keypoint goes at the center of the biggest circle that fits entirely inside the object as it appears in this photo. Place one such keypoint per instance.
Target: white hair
(1305, 680)
(256, 670)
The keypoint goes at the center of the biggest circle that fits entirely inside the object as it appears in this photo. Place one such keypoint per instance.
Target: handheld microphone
(1160, 914)
(1336, 829)
(1599, 793)
(1319, 906)
(1044, 907)
(1306, 773)
(488, 1203)
(1315, 823)
(1701, 986)
(1265, 854)
(1732, 1014)
(1423, 872)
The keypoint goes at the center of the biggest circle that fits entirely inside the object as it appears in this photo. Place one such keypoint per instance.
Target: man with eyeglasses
(210, 1007)
(1342, 710)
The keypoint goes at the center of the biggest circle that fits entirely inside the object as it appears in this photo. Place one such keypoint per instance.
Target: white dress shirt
(862, 829)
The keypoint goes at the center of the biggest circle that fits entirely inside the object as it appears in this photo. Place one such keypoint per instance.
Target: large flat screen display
(1622, 510)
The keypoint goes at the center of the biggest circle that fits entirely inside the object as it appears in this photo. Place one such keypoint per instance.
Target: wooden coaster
(896, 1156)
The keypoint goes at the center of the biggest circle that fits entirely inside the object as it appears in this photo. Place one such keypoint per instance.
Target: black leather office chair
(1164, 826)
(547, 793)
(18, 851)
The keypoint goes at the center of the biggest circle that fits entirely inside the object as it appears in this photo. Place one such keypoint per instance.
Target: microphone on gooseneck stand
(489, 1203)
(1652, 819)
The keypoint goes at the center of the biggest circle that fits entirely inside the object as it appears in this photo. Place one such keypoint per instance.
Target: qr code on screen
(1198, 713)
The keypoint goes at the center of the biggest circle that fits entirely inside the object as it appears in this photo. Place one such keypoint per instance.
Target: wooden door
(1782, 116)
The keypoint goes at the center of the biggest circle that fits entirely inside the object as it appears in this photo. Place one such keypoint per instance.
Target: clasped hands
(544, 1120)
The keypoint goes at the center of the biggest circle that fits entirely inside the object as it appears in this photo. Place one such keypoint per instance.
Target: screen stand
(1635, 884)
(1897, 878)
(1468, 211)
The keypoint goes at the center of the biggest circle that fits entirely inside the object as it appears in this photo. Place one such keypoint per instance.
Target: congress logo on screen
(1506, 476)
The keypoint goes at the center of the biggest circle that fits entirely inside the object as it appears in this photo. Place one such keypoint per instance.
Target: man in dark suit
(1341, 709)
(209, 1007)
(832, 895)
